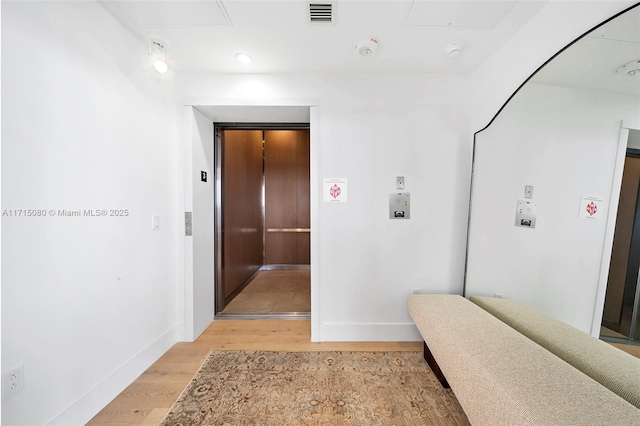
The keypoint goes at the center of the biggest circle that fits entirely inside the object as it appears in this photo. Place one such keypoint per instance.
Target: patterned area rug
(315, 388)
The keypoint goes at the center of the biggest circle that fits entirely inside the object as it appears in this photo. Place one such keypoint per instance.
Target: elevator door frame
(625, 128)
(629, 323)
(218, 217)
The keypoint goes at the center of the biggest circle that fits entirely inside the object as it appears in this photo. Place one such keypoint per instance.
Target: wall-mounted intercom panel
(526, 214)
(399, 205)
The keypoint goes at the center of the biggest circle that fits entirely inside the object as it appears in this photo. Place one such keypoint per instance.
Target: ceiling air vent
(320, 13)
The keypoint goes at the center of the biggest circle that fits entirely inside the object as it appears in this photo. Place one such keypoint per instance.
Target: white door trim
(186, 306)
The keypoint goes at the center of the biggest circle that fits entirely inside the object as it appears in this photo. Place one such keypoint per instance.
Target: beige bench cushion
(606, 364)
(501, 377)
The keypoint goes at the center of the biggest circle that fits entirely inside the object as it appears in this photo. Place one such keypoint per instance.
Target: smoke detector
(454, 48)
(630, 69)
(367, 46)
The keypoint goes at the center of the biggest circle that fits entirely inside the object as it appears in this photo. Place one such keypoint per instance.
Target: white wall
(200, 246)
(87, 302)
(372, 128)
(564, 143)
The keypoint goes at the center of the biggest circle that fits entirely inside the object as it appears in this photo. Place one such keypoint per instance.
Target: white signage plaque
(592, 208)
(335, 190)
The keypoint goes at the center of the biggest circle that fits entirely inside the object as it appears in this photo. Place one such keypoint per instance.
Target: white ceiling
(591, 63)
(205, 35)
(255, 114)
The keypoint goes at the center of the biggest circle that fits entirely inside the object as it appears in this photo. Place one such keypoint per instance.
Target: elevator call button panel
(399, 203)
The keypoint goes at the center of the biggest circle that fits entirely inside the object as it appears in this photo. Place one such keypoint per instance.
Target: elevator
(262, 203)
(621, 315)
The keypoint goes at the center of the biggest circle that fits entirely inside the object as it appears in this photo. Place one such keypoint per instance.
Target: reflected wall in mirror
(561, 134)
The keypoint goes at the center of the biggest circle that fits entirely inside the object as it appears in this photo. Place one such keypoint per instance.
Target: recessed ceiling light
(243, 58)
(161, 66)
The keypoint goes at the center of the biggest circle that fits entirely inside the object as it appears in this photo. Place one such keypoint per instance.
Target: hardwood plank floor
(630, 349)
(148, 399)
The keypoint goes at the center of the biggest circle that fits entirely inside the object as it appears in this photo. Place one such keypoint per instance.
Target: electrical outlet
(498, 296)
(415, 291)
(12, 382)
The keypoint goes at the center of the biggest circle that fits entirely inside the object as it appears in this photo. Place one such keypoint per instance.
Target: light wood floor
(630, 349)
(274, 292)
(149, 398)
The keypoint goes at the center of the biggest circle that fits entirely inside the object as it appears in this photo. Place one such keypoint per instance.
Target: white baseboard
(368, 332)
(97, 398)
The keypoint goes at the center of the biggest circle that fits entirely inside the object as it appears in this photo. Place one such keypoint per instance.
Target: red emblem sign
(335, 191)
(592, 208)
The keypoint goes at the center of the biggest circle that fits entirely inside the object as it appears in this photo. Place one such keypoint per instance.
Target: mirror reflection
(555, 188)
(620, 317)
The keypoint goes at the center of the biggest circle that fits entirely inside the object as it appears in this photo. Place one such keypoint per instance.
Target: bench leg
(431, 361)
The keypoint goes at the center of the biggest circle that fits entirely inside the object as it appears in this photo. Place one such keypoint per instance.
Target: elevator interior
(262, 207)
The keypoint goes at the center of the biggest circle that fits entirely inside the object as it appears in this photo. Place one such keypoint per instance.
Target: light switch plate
(400, 182)
(528, 191)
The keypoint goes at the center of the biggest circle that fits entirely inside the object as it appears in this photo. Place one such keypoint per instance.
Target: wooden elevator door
(242, 225)
(287, 197)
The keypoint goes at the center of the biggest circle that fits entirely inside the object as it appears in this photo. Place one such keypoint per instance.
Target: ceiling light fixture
(367, 46)
(455, 48)
(243, 58)
(158, 54)
(630, 69)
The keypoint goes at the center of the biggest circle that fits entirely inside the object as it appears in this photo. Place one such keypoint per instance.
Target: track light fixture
(158, 55)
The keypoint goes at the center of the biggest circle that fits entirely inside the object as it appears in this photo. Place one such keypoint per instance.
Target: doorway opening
(621, 315)
(262, 217)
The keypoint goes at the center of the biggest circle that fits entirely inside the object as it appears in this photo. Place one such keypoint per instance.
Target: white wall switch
(155, 222)
(528, 191)
(400, 182)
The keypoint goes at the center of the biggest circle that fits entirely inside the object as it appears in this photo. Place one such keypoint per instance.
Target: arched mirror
(547, 179)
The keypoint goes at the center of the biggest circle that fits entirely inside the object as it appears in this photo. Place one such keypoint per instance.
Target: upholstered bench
(606, 364)
(501, 377)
